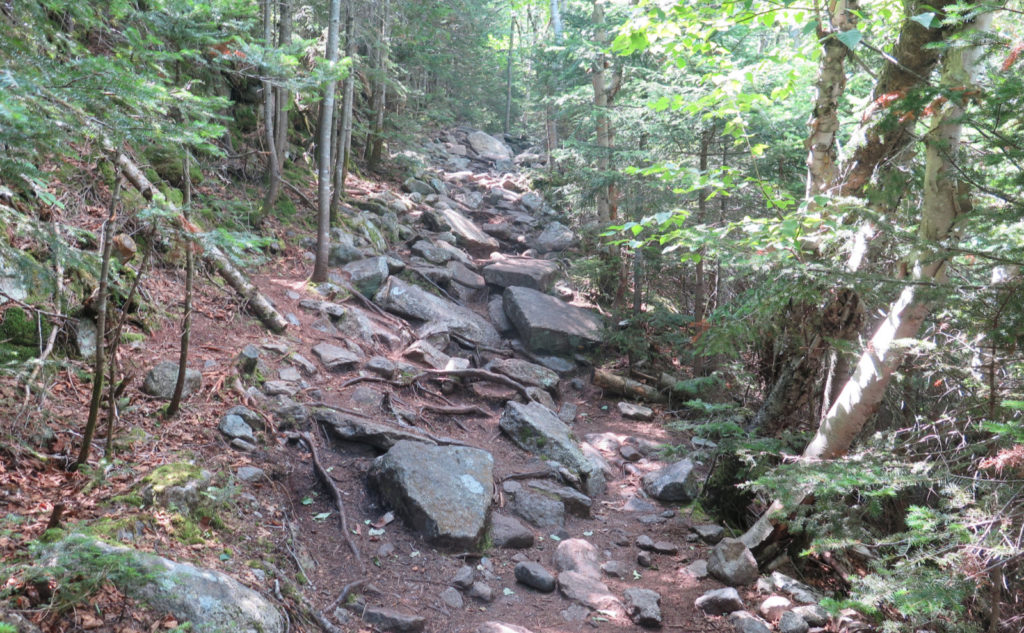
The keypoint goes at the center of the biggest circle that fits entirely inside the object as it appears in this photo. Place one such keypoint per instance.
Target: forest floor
(277, 526)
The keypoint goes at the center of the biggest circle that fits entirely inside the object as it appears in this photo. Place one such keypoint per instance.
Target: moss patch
(21, 335)
(169, 475)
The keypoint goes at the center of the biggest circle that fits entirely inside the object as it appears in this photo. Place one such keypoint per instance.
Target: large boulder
(550, 325)
(209, 600)
(732, 563)
(368, 274)
(555, 237)
(412, 301)
(467, 232)
(364, 431)
(525, 372)
(537, 429)
(676, 482)
(488, 147)
(537, 274)
(161, 379)
(444, 492)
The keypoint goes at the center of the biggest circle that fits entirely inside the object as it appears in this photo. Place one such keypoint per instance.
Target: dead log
(623, 386)
(212, 254)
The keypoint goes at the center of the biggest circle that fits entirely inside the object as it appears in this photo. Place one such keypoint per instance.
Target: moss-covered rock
(169, 164)
(21, 335)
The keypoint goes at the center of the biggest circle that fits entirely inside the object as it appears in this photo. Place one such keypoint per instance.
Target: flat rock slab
(535, 428)
(488, 147)
(746, 622)
(720, 601)
(209, 599)
(636, 411)
(364, 431)
(336, 358)
(537, 274)
(525, 372)
(444, 492)
(509, 533)
(234, 426)
(412, 301)
(575, 502)
(550, 325)
(676, 482)
(587, 591)
(533, 575)
(709, 532)
(393, 621)
(467, 232)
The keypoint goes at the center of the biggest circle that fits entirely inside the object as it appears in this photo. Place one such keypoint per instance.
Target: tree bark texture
(324, 151)
(270, 118)
(605, 89)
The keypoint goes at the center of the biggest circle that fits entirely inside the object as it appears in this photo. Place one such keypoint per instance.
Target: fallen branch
(305, 200)
(626, 386)
(326, 480)
(464, 410)
(346, 590)
(212, 254)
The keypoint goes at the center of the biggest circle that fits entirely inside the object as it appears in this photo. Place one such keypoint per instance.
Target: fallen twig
(325, 479)
(345, 591)
(483, 374)
(463, 410)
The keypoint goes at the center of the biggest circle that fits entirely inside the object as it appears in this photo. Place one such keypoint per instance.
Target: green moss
(174, 196)
(168, 475)
(21, 335)
(132, 337)
(169, 164)
(130, 499)
(108, 172)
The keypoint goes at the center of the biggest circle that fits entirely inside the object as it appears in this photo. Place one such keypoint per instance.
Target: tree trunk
(508, 73)
(944, 202)
(186, 320)
(282, 102)
(324, 166)
(347, 105)
(375, 143)
(604, 95)
(269, 118)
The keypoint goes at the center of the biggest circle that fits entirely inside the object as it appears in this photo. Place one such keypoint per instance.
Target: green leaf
(850, 38)
(322, 516)
(925, 19)
(307, 501)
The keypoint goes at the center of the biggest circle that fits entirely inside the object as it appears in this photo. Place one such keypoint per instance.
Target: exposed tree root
(326, 480)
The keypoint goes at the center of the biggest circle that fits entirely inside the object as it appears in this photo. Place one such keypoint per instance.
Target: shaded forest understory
(769, 252)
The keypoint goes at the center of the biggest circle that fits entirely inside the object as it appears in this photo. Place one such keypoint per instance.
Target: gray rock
(451, 598)
(813, 614)
(549, 325)
(423, 352)
(250, 417)
(280, 387)
(341, 254)
(575, 502)
(643, 606)
(336, 358)
(537, 274)
(412, 185)
(368, 274)
(732, 563)
(555, 237)
(630, 453)
(444, 492)
(431, 253)
(537, 509)
(525, 372)
(587, 591)
(709, 532)
(720, 601)
(531, 201)
(331, 309)
(235, 427)
(467, 233)
(18, 622)
(481, 591)
(676, 482)
(533, 575)
(636, 411)
(501, 627)
(745, 622)
(243, 445)
(391, 620)
(616, 569)
(698, 569)
(465, 276)
(496, 313)
(645, 542)
(509, 533)
(464, 578)
(644, 559)
(381, 366)
(567, 412)
(537, 429)
(542, 397)
(773, 606)
(488, 147)
(210, 600)
(289, 374)
(412, 301)
(85, 337)
(250, 473)
(288, 413)
(364, 431)
(577, 555)
(790, 622)
(248, 359)
(161, 379)
(798, 590)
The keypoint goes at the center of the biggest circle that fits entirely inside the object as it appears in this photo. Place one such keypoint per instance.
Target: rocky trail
(466, 475)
